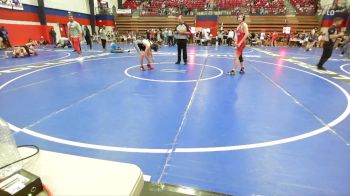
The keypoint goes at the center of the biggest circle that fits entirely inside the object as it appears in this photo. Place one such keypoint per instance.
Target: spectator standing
(274, 39)
(230, 38)
(148, 35)
(5, 37)
(170, 38)
(165, 36)
(74, 33)
(103, 36)
(53, 36)
(87, 36)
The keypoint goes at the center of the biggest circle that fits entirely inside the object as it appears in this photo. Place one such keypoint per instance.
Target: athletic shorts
(141, 47)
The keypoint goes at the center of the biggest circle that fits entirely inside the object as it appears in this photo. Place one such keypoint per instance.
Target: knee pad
(240, 58)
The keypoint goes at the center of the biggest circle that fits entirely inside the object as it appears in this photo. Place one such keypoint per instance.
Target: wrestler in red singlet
(242, 33)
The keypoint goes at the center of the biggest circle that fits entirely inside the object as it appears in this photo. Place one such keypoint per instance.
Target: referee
(182, 32)
(331, 36)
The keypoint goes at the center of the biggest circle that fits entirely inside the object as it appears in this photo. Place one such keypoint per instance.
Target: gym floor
(282, 128)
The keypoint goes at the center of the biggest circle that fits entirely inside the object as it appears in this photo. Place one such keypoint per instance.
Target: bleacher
(265, 15)
(233, 7)
(256, 23)
(230, 4)
(271, 7)
(304, 7)
(272, 23)
(191, 4)
(131, 4)
(160, 7)
(144, 23)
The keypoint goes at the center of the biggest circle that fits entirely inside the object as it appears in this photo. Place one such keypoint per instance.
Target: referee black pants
(182, 45)
(88, 42)
(103, 43)
(326, 54)
(170, 40)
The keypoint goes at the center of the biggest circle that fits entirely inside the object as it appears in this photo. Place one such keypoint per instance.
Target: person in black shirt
(182, 32)
(330, 39)
(5, 37)
(87, 36)
(148, 35)
(53, 36)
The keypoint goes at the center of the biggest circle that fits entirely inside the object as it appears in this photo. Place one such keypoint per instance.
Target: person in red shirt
(274, 39)
(152, 34)
(242, 33)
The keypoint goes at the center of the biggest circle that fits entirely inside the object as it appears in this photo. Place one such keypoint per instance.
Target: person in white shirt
(182, 33)
(230, 36)
(262, 38)
(103, 36)
(74, 33)
(220, 37)
(165, 35)
(170, 38)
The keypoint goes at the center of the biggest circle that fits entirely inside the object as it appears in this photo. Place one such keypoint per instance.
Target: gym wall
(25, 24)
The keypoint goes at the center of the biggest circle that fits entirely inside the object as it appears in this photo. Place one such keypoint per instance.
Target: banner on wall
(328, 19)
(208, 22)
(11, 4)
(286, 30)
(123, 11)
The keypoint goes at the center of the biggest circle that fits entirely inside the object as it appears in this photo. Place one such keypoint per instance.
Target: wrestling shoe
(242, 70)
(232, 72)
(149, 66)
(321, 68)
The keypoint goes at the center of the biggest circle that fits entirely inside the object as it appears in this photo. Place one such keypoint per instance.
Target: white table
(74, 175)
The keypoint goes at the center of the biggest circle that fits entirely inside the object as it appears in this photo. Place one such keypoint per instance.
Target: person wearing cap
(74, 33)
